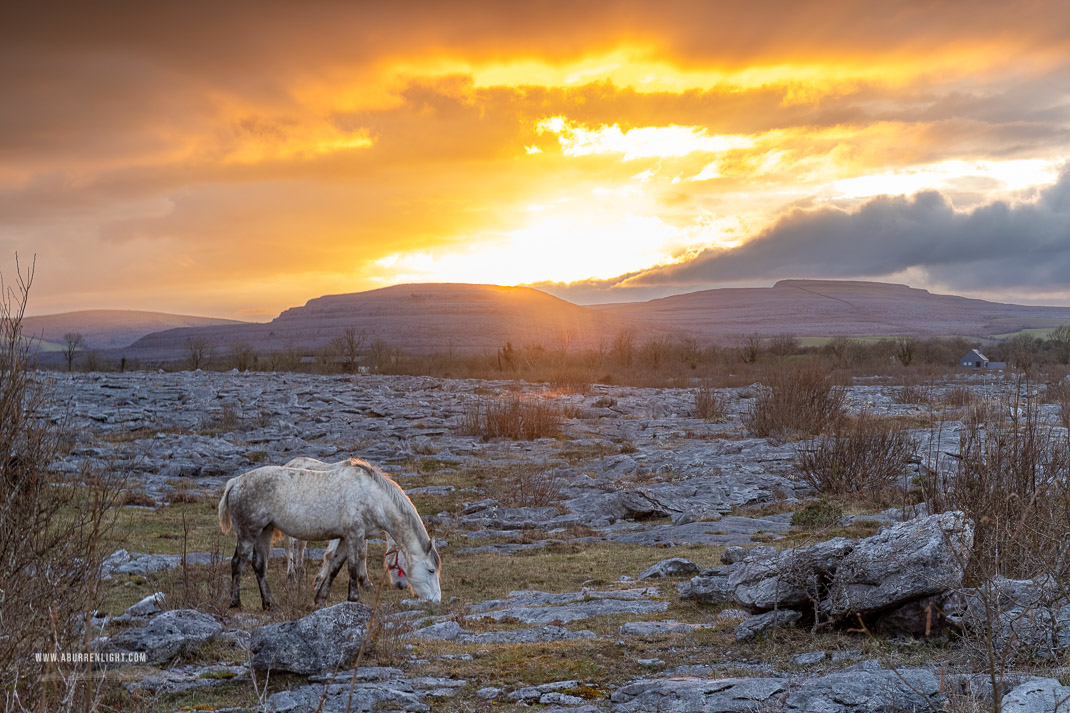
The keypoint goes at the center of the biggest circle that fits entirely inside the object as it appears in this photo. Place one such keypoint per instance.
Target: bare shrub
(515, 417)
(1010, 477)
(710, 404)
(800, 401)
(532, 488)
(50, 537)
(959, 396)
(571, 381)
(866, 455)
(913, 394)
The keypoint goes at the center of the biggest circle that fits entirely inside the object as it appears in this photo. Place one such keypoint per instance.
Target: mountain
(824, 308)
(418, 318)
(108, 328)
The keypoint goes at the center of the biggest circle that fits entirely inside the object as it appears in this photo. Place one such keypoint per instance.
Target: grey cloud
(1000, 245)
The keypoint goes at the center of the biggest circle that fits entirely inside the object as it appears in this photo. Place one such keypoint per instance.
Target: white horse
(338, 503)
(393, 558)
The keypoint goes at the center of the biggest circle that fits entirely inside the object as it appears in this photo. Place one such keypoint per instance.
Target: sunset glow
(183, 159)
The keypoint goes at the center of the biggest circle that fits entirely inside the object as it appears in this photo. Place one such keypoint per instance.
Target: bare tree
(750, 347)
(198, 352)
(242, 356)
(72, 342)
(349, 346)
(1059, 339)
(905, 347)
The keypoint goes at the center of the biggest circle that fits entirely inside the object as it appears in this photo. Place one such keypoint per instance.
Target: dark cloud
(1000, 245)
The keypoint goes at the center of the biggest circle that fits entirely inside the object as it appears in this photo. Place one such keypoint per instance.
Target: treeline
(626, 358)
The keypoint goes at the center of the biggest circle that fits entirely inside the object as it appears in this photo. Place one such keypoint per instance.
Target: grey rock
(489, 693)
(452, 631)
(148, 606)
(672, 567)
(1044, 695)
(166, 635)
(656, 628)
(534, 693)
(906, 561)
(709, 588)
(868, 692)
(1028, 618)
(573, 612)
(334, 698)
(791, 578)
(762, 623)
(325, 640)
(731, 555)
(177, 679)
(809, 658)
(687, 695)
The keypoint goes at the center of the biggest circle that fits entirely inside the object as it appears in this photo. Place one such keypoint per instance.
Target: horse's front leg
(260, 558)
(333, 559)
(356, 548)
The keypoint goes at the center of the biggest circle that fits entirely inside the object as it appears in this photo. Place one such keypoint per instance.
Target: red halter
(395, 565)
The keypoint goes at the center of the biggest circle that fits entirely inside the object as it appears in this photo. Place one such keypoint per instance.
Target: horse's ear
(430, 545)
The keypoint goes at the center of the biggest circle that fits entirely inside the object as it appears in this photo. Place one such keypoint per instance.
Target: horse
(338, 503)
(393, 558)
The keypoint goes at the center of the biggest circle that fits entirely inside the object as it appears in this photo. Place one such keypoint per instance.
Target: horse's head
(423, 572)
(397, 566)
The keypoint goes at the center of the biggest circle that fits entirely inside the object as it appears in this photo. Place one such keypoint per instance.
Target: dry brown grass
(801, 401)
(866, 456)
(516, 417)
(710, 404)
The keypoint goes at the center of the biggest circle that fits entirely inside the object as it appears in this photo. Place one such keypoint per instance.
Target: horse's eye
(431, 571)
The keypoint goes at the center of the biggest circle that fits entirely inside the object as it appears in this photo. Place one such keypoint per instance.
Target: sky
(235, 159)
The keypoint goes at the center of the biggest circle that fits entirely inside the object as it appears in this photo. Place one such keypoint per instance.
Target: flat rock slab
(573, 612)
(730, 530)
(165, 636)
(452, 631)
(395, 694)
(687, 695)
(868, 692)
(325, 640)
(183, 678)
(535, 598)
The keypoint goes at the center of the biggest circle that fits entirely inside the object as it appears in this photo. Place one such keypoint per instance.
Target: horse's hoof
(267, 606)
(235, 605)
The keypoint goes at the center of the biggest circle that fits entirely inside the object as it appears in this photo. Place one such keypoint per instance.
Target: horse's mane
(393, 490)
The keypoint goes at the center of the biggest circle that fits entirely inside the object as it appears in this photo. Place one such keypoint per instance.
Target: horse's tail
(224, 508)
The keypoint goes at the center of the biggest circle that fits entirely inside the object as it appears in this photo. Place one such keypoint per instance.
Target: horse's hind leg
(237, 564)
(356, 550)
(333, 560)
(260, 558)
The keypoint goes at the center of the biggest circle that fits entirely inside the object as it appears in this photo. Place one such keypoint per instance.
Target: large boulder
(325, 640)
(166, 635)
(788, 578)
(906, 561)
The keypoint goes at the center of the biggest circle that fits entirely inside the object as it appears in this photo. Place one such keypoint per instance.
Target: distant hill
(425, 318)
(108, 328)
(417, 318)
(825, 308)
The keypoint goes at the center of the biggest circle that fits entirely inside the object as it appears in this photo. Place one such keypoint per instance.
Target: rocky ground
(640, 560)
